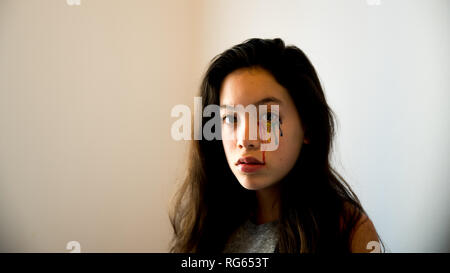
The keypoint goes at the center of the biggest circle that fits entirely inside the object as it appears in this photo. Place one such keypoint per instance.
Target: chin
(253, 184)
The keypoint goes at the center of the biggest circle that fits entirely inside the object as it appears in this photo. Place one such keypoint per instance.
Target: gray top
(252, 238)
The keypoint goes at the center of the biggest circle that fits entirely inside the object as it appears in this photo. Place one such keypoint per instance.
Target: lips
(249, 160)
(249, 164)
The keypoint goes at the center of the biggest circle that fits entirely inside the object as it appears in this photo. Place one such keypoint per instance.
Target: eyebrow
(262, 101)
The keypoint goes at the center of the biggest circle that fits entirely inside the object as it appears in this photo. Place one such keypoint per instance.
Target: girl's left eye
(268, 116)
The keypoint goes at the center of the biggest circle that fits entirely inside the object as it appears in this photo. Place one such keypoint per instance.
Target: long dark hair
(318, 209)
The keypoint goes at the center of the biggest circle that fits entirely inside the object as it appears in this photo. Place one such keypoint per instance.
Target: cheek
(288, 154)
(283, 160)
(228, 146)
(288, 149)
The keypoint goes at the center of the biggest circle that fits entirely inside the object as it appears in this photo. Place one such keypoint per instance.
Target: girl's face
(257, 86)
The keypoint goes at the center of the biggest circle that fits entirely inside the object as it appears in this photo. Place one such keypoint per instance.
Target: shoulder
(364, 237)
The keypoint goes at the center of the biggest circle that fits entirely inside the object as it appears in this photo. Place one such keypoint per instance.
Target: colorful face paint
(271, 125)
(281, 132)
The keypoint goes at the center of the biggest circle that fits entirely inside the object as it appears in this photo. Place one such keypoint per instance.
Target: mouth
(249, 164)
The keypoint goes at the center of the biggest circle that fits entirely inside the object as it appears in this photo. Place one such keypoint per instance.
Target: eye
(267, 117)
(229, 119)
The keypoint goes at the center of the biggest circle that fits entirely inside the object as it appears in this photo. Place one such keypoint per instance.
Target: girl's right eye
(229, 119)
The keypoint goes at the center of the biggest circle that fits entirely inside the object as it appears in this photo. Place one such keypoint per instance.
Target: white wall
(385, 72)
(85, 99)
(86, 93)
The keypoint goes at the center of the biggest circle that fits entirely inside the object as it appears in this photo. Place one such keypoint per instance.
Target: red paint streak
(250, 168)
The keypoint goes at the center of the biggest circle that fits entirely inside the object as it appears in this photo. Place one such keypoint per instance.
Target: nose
(243, 139)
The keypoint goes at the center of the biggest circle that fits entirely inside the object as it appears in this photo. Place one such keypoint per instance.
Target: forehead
(249, 85)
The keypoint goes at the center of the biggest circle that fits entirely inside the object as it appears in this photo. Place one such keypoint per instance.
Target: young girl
(238, 197)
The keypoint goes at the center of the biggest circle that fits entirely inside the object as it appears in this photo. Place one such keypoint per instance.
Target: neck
(268, 205)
